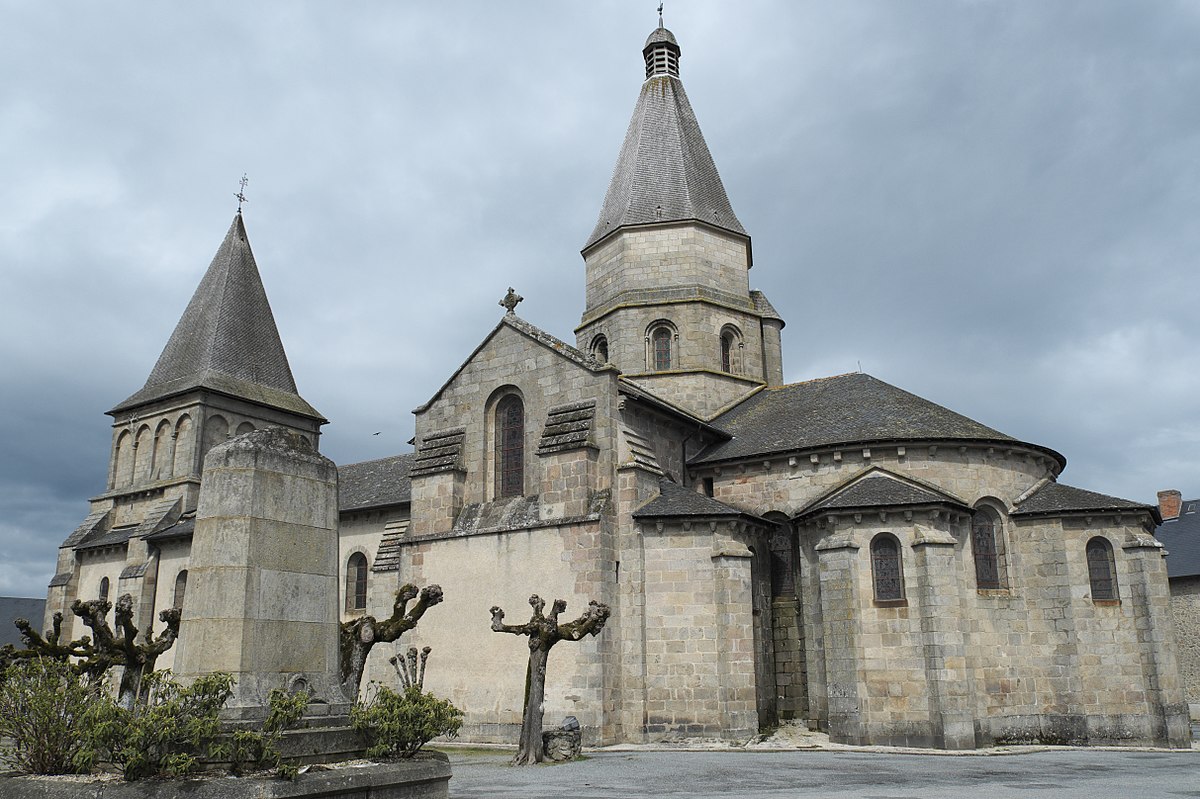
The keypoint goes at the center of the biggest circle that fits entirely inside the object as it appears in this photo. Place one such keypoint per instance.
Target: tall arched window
(103, 589)
(1102, 569)
(660, 341)
(988, 550)
(886, 570)
(356, 582)
(180, 589)
(726, 352)
(510, 447)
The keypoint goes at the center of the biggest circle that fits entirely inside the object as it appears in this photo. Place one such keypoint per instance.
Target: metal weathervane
(241, 195)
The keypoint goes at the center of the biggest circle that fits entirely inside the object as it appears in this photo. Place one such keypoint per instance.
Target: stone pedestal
(263, 579)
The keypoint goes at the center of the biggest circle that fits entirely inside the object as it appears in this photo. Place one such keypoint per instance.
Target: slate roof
(675, 502)
(438, 452)
(849, 409)
(387, 557)
(181, 529)
(374, 484)
(226, 340)
(1181, 538)
(879, 491)
(664, 172)
(763, 306)
(118, 535)
(568, 427)
(1053, 499)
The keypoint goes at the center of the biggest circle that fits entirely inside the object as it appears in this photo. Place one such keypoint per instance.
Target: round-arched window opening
(600, 349)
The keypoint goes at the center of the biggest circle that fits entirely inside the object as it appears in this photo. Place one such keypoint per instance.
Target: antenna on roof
(241, 195)
(660, 22)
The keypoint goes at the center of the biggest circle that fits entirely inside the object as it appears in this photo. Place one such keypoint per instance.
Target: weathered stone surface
(263, 576)
(425, 777)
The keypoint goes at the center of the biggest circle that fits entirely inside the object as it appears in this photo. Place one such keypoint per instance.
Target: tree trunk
(530, 750)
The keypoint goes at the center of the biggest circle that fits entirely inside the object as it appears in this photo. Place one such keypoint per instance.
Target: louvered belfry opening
(661, 54)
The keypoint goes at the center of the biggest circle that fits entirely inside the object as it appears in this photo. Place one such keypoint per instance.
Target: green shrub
(401, 723)
(262, 748)
(168, 733)
(44, 713)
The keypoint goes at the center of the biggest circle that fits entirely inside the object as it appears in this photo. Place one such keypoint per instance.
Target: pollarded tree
(94, 655)
(544, 632)
(359, 635)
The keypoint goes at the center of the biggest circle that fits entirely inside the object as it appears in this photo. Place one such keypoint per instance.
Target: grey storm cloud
(992, 205)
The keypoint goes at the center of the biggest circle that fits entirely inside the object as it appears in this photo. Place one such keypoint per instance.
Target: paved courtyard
(1061, 774)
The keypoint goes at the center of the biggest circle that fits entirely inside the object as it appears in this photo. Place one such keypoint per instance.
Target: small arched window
(600, 349)
(886, 570)
(988, 551)
(726, 352)
(1102, 569)
(103, 589)
(510, 447)
(180, 589)
(660, 341)
(356, 582)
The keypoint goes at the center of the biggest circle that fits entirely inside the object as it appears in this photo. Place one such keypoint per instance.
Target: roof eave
(868, 443)
(739, 234)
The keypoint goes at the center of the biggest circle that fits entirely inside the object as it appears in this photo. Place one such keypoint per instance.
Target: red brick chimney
(1169, 502)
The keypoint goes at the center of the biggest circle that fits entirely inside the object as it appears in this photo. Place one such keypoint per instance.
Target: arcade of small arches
(165, 450)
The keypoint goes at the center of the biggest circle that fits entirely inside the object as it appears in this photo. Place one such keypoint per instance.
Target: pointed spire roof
(665, 172)
(226, 340)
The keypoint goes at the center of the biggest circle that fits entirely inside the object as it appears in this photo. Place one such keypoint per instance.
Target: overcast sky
(990, 204)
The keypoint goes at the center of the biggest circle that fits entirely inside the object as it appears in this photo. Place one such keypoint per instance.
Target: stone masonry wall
(699, 643)
(791, 673)
(787, 484)
(1039, 661)
(653, 258)
(544, 379)
(1185, 610)
(482, 672)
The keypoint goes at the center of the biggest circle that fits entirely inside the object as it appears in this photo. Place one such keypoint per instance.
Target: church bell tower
(668, 293)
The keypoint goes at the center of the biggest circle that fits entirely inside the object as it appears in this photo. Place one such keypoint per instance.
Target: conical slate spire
(226, 340)
(665, 172)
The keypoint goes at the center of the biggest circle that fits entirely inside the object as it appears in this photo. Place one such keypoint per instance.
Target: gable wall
(545, 379)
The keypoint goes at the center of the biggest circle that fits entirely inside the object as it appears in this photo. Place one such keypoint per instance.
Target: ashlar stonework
(837, 552)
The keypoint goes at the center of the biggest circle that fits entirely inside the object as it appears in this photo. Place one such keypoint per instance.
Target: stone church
(838, 552)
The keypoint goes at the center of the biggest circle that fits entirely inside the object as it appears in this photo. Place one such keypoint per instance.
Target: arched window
(987, 547)
(660, 342)
(783, 580)
(726, 352)
(1102, 569)
(600, 349)
(245, 427)
(886, 570)
(180, 589)
(356, 582)
(510, 447)
(103, 589)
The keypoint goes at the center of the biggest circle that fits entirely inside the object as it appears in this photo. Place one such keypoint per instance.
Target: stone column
(263, 580)
(1165, 700)
(737, 700)
(840, 618)
(950, 707)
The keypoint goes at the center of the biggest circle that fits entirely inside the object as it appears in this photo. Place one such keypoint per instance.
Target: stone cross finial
(660, 21)
(511, 300)
(241, 194)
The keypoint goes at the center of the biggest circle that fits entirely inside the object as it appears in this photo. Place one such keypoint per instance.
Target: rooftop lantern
(661, 53)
